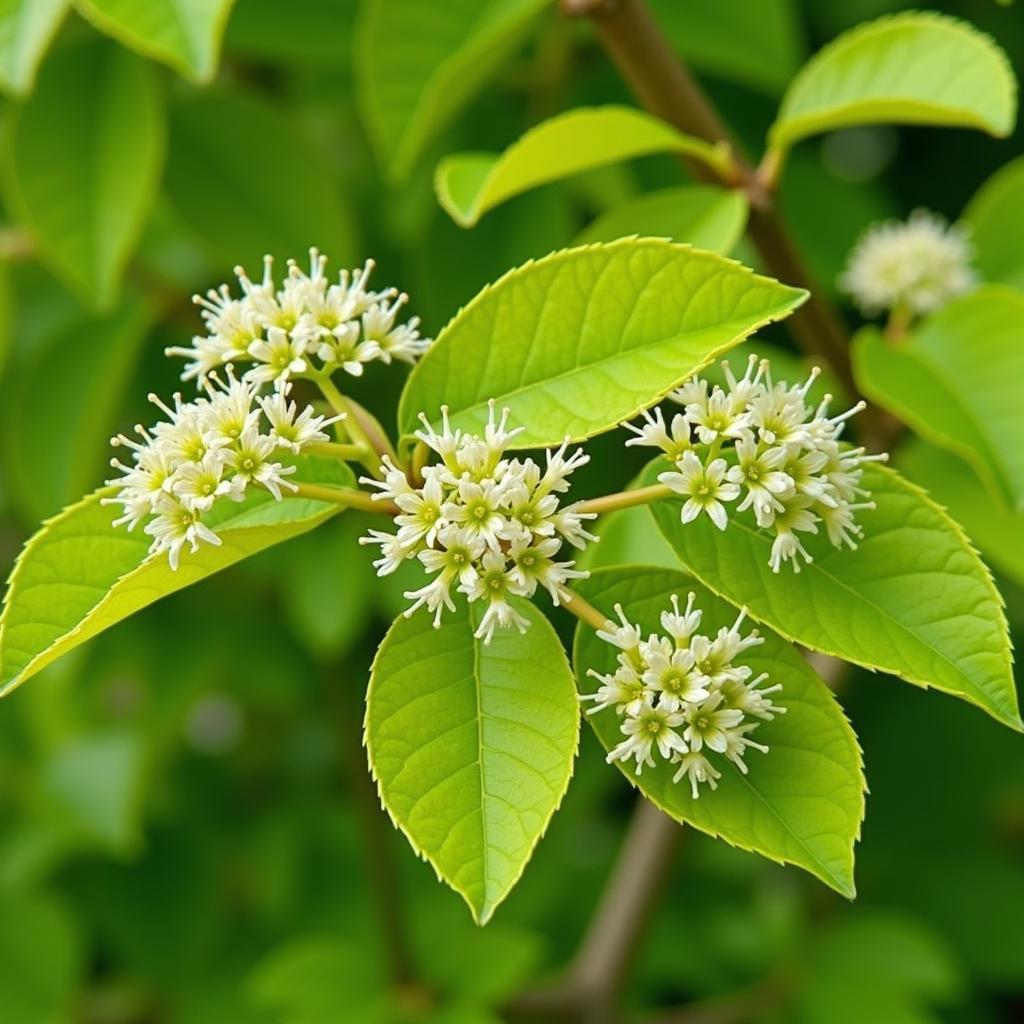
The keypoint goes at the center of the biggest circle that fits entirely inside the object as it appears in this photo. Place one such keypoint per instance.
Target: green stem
(348, 497)
(582, 609)
(354, 425)
(625, 499)
(333, 450)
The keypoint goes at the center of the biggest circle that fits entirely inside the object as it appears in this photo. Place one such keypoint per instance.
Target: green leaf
(79, 575)
(26, 28)
(628, 537)
(995, 216)
(914, 599)
(956, 381)
(585, 338)
(61, 404)
(418, 64)
(914, 68)
(241, 207)
(311, 33)
(705, 216)
(472, 746)
(182, 33)
(998, 532)
(470, 184)
(802, 802)
(85, 158)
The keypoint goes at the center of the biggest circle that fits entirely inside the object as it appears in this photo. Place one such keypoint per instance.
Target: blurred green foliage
(187, 831)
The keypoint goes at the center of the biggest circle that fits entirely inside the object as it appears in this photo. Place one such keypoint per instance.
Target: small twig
(625, 499)
(344, 496)
(594, 979)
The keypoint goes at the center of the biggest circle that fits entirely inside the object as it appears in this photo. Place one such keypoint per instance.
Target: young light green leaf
(583, 339)
(62, 402)
(802, 802)
(26, 28)
(998, 531)
(705, 216)
(181, 33)
(914, 599)
(77, 184)
(913, 68)
(242, 208)
(79, 575)
(470, 184)
(956, 380)
(995, 216)
(472, 746)
(418, 64)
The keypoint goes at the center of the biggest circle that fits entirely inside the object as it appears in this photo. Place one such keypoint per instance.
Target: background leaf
(956, 381)
(995, 216)
(78, 185)
(585, 338)
(182, 33)
(915, 68)
(998, 531)
(241, 206)
(802, 802)
(61, 404)
(472, 746)
(79, 575)
(705, 216)
(470, 184)
(26, 28)
(914, 599)
(418, 64)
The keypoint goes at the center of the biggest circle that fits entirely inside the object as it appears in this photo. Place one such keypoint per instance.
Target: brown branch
(592, 983)
(662, 84)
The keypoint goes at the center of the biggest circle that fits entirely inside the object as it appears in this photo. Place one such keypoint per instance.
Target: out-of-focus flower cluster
(682, 696)
(482, 524)
(306, 325)
(215, 447)
(759, 445)
(916, 265)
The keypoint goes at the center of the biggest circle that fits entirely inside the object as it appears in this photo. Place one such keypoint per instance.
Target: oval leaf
(910, 68)
(585, 338)
(705, 216)
(995, 217)
(79, 575)
(182, 33)
(26, 28)
(914, 599)
(418, 64)
(472, 746)
(957, 382)
(470, 184)
(242, 208)
(802, 802)
(86, 153)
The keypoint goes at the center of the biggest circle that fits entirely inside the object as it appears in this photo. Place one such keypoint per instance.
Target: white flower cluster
(487, 525)
(916, 266)
(761, 444)
(307, 325)
(681, 695)
(217, 446)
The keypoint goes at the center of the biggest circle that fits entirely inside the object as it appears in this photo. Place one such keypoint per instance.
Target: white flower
(684, 697)
(762, 440)
(392, 553)
(277, 356)
(197, 485)
(251, 462)
(292, 429)
(174, 526)
(653, 727)
(491, 524)
(699, 770)
(917, 265)
(704, 487)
